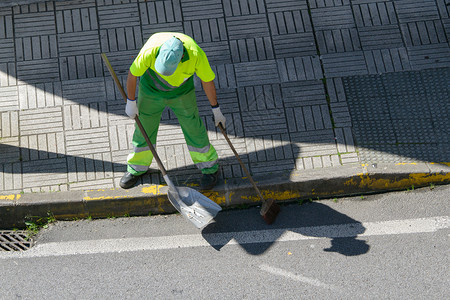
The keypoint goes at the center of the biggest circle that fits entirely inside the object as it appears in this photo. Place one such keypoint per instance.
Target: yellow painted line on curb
(441, 163)
(154, 189)
(362, 181)
(414, 179)
(275, 195)
(217, 197)
(405, 164)
(286, 195)
(10, 197)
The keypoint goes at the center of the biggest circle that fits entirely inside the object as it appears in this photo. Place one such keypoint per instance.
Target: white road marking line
(296, 277)
(422, 225)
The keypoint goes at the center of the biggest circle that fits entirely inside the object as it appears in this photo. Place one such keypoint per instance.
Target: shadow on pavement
(393, 117)
(30, 161)
(310, 220)
(37, 161)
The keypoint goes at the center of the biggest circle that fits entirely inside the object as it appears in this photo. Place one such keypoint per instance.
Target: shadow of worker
(321, 221)
(294, 223)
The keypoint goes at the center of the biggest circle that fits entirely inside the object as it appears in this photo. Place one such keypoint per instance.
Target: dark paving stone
(399, 117)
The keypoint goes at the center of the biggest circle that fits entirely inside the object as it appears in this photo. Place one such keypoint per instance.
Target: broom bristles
(269, 211)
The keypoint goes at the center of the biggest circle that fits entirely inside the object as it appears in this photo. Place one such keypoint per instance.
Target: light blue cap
(169, 56)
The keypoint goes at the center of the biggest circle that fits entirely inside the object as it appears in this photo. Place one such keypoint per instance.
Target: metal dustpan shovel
(191, 204)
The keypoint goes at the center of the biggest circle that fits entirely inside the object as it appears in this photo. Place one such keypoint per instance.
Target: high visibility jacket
(194, 59)
(176, 92)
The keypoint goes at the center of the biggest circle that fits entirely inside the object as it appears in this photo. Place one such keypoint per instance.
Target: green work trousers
(154, 96)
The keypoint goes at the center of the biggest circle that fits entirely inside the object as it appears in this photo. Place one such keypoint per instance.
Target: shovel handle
(138, 122)
(240, 162)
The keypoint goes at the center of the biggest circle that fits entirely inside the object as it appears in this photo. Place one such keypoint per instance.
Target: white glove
(218, 116)
(131, 108)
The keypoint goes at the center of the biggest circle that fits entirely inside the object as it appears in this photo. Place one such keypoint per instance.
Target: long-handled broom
(269, 208)
(192, 205)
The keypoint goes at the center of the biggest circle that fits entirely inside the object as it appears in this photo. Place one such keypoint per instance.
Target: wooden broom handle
(240, 162)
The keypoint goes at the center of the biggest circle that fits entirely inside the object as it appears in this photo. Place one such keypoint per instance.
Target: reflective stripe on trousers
(206, 161)
(139, 160)
(204, 158)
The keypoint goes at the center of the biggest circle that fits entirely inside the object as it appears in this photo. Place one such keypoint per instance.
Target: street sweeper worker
(166, 65)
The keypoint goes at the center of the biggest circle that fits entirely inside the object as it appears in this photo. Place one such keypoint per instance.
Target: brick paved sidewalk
(304, 84)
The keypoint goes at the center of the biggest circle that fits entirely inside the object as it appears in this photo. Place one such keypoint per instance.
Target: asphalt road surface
(382, 246)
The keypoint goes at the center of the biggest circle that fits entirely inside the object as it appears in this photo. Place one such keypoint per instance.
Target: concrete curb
(152, 199)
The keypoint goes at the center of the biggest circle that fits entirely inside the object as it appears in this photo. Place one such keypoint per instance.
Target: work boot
(128, 180)
(208, 181)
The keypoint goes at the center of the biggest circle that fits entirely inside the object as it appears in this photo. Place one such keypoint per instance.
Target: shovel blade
(194, 206)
